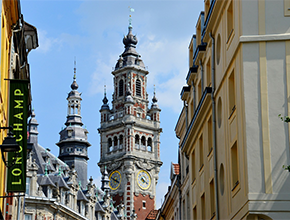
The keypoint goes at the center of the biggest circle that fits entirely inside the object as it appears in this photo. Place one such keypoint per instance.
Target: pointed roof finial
(74, 85)
(130, 19)
(75, 68)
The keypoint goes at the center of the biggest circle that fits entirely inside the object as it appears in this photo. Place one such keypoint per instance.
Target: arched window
(149, 144)
(121, 142)
(115, 142)
(143, 143)
(110, 144)
(137, 140)
(121, 88)
(138, 87)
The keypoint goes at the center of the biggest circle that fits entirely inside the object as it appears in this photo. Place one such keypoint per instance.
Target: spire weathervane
(75, 68)
(130, 19)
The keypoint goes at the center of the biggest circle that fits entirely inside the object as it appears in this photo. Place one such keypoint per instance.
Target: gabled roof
(81, 196)
(44, 180)
(59, 179)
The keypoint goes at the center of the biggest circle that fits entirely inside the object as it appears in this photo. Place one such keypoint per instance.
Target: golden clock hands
(143, 180)
(115, 179)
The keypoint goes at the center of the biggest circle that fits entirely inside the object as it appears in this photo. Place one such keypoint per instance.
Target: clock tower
(129, 135)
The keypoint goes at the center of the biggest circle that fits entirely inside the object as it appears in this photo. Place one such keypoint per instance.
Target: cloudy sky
(92, 31)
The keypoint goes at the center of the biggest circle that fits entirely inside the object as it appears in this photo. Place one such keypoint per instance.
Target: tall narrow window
(212, 199)
(208, 73)
(137, 141)
(110, 144)
(27, 186)
(143, 143)
(230, 20)
(121, 87)
(193, 166)
(138, 87)
(200, 152)
(209, 133)
(194, 213)
(203, 206)
(199, 91)
(234, 162)
(115, 142)
(232, 93)
(149, 145)
(121, 142)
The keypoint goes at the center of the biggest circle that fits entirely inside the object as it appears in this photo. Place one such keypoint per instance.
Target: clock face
(115, 180)
(143, 179)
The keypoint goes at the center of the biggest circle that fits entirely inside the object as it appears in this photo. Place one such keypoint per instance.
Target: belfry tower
(129, 133)
(73, 144)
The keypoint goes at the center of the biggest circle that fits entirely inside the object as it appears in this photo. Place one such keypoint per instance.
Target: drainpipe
(202, 78)
(214, 125)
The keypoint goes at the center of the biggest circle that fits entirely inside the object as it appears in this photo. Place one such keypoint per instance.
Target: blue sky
(92, 31)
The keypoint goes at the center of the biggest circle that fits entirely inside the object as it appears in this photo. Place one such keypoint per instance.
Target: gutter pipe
(214, 125)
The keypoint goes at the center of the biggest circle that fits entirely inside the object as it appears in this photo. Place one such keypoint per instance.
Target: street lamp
(9, 145)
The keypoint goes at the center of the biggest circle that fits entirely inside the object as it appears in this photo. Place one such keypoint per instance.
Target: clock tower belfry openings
(129, 134)
(73, 144)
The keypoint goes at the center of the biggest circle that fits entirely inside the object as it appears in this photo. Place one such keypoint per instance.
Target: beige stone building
(232, 144)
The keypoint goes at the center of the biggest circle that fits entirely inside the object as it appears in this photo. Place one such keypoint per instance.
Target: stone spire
(73, 142)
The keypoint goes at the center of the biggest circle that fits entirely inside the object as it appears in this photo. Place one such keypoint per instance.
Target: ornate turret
(73, 144)
(130, 131)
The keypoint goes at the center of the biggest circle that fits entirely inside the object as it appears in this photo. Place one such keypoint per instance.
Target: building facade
(129, 133)
(18, 38)
(232, 143)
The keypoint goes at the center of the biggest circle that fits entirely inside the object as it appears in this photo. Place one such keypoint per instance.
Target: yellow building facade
(18, 38)
(232, 143)
(9, 16)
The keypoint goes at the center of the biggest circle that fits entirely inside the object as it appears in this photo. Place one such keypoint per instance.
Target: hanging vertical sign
(18, 113)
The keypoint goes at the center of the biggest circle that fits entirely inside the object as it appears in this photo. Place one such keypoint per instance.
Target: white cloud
(102, 75)
(46, 43)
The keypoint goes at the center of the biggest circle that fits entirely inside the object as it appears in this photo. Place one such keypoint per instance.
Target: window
(28, 217)
(200, 152)
(199, 91)
(115, 142)
(138, 87)
(121, 87)
(110, 145)
(193, 166)
(203, 206)
(121, 141)
(137, 140)
(232, 95)
(208, 73)
(194, 213)
(143, 143)
(230, 20)
(149, 145)
(144, 204)
(212, 198)
(27, 185)
(209, 133)
(234, 163)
